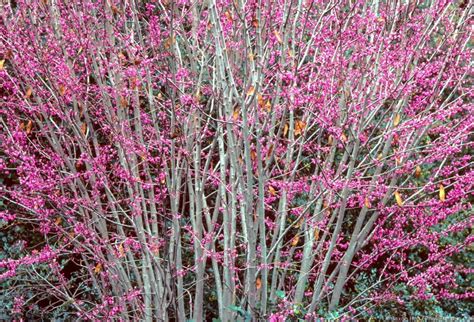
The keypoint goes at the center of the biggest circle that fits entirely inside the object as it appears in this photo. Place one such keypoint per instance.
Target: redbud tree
(199, 159)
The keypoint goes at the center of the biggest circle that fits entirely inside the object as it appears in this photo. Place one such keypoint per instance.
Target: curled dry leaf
(121, 250)
(299, 223)
(268, 106)
(123, 102)
(417, 171)
(250, 91)
(253, 155)
(269, 151)
(330, 140)
(343, 137)
(316, 234)
(258, 283)
(272, 190)
(116, 10)
(260, 100)
(367, 203)
(396, 120)
(398, 198)
(98, 268)
(198, 94)
(442, 193)
(299, 127)
(295, 240)
(285, 130)
(29, 127)
(81, 109)
(236, 114)
(277, 36)
(84, 128)
(228, 15)
(169, 42)
(29, 92)
(62, 90)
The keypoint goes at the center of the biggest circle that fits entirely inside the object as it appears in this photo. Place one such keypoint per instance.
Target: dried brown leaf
(277, 36)
(29, 127)
(442, 193)
(398, 198)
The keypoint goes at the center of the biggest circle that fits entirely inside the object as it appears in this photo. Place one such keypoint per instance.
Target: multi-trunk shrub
(199, 160)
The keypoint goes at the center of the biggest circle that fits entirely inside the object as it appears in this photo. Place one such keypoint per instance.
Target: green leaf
(333, 315)
(237, 309)
(280, 294)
